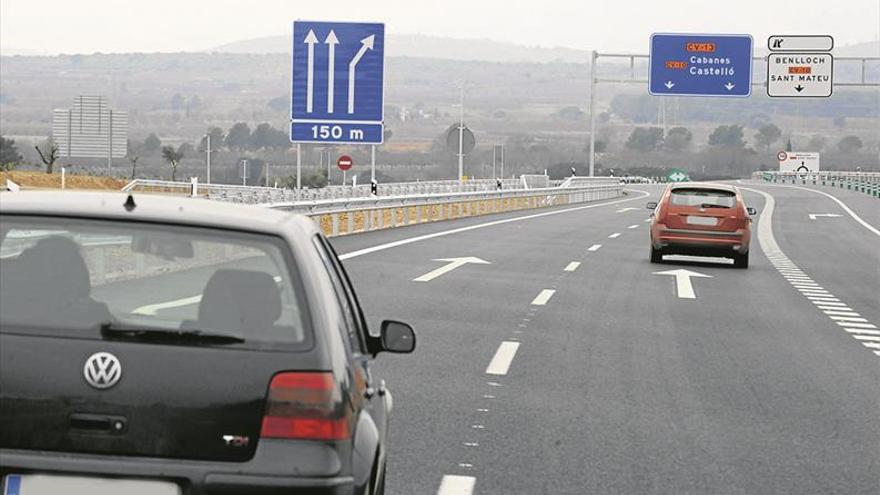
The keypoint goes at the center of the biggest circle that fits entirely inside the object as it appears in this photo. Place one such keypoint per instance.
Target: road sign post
(700, 65)
(337, 83)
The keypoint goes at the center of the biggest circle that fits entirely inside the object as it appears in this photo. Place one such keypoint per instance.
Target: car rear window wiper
(110, 330)
(712, 205)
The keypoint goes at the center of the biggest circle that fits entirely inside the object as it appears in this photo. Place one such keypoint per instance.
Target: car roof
(153, 208)
(704, 185)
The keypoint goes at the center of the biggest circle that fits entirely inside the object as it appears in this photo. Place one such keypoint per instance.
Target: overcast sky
(86, 26)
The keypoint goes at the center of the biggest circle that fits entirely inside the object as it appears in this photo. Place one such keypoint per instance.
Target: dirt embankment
(41, 180)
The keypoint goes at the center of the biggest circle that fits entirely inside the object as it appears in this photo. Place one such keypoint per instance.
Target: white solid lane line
(875, 338)
(500, 363)
(614, 235)
(418, 238)
(572, 266)
(542, 297)
(594, 247)
(457, 485)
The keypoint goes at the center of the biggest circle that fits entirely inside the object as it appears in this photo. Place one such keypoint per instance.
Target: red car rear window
(708, 198)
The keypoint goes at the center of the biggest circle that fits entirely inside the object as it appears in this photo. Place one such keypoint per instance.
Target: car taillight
(305, 406)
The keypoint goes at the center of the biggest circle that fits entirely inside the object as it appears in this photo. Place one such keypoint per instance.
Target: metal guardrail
(409, 203)
(263, 195)
(865, 182)
(353, 215)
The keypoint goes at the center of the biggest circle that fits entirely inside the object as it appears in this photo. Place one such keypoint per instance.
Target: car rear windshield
(708, 198)
(73, 277)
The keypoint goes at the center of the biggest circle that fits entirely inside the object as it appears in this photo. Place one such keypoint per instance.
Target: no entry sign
(344, 162)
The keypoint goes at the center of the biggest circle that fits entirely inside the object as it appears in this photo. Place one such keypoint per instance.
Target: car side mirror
(652, 205)
(397, 337)
(751, 211)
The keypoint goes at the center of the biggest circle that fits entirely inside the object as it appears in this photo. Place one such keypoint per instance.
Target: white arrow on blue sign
(338, 82)
(700, 65)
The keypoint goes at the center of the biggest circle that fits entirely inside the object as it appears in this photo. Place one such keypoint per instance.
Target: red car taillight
(305, 406)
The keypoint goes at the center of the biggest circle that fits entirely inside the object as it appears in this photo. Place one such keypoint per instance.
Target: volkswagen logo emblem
(102, 370)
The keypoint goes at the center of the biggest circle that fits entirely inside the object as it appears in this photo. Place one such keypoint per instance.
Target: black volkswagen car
(154, 345)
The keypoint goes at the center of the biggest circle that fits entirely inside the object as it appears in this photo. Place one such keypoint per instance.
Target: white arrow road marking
(366, 44)
(152, 309)
(310, 40)
(453, 264)
(542, 297)
(500, 363)
(684, 288)
(814, 216)
(331, 43)
(456, 485)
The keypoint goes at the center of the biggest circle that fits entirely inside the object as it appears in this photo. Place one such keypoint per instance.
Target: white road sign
(800, 43)
(798, 161)
(799, 74)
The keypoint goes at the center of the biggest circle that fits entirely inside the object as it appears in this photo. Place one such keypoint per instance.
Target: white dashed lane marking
(614, 235)
(594, 247)
(500, 363)
(542, 297)
(456, 485)
(572, 266)
(853, 323)
(634, 226)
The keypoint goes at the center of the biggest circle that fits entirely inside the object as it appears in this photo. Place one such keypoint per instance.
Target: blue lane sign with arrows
(700, 65)
(338, 77)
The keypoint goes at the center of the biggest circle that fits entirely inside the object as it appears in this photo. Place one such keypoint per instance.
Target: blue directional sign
(701, 65)
(338, 72)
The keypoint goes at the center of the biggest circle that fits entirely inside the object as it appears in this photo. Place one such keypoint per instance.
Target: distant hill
(420, 46)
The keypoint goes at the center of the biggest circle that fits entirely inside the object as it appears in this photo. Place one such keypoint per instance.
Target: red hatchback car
(701, 220)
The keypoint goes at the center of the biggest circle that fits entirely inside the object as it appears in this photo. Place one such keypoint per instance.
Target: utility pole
(593, 59)
(461, 138)
(502, 162)
(494, 148)
(207, 158)
(244, 172)
(267, 174)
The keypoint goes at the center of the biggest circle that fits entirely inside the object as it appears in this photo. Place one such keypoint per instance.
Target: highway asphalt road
(566, 366)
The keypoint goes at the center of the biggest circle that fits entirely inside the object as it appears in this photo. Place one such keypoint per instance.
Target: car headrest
(236, 300)
(54, 270)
